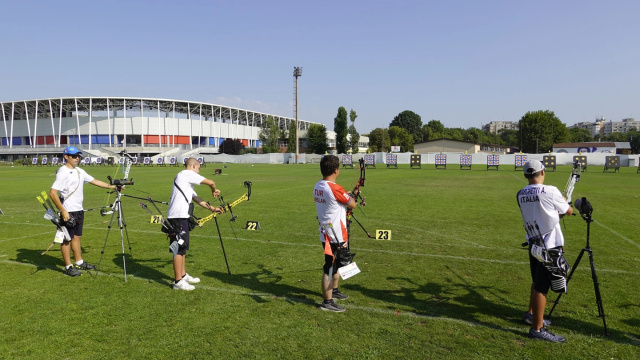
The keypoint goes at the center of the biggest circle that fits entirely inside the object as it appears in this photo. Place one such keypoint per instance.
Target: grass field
(453, 282)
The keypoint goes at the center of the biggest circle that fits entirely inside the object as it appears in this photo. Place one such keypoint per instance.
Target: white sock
(79, 262)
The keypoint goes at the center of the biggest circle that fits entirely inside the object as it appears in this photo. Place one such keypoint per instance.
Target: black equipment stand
(596, 285)
(117, 207)
(222, 245)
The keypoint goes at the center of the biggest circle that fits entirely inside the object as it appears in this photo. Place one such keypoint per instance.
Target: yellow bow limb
(224, 209)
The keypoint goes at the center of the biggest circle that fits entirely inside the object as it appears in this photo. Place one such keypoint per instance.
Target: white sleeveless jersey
(331, 200)
(541, 204)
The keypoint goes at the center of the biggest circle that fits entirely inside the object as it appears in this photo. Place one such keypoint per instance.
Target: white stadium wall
(137, 126)
(56, 122)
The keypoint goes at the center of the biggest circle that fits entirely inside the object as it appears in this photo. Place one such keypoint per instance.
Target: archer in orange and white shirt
(331, 202)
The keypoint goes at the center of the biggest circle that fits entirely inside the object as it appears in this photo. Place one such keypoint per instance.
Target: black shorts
(539, 275)
(184, 226)
(76, 230)
(329, 262)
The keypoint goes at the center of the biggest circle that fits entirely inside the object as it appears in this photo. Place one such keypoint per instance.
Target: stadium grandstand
(103, 126)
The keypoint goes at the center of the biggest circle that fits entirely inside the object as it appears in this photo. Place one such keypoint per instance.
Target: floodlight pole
(297, 72)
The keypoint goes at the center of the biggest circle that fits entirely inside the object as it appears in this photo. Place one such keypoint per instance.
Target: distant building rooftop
(620, 145)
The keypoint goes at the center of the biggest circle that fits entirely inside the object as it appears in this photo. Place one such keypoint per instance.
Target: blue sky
(465, 63)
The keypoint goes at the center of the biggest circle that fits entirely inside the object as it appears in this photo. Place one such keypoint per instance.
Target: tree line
(271, 135)
(538, 132)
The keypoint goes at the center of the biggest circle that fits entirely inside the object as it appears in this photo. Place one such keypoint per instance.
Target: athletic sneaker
(72, 271)
(528, 319)
(85, 266)
(190, 279)
(543, 334)
(331, 306)
(183, 285)
(336, 294)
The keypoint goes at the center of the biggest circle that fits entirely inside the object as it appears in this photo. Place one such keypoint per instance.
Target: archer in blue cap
(71, 150)
(69, 188)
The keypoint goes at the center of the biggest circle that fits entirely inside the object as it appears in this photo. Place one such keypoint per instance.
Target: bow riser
(357, 196)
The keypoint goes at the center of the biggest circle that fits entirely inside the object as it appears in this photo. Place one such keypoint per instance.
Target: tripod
(117, 207)
(596, 285)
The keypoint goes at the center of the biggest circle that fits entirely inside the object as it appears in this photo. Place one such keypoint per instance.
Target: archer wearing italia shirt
(331, 202)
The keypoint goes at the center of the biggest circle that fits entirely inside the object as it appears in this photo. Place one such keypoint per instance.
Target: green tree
(616, 137)
(269, 135)
(340, 128)
(231, 147)
(317, 138)
(411, 122)
(353, 133)
(539, 130)
(433, 130)
(402, 137)
(634, 139)
(292, 136)
(509, 137)
(453, 133)
(473, 135)
(577, 135)
(379, 140)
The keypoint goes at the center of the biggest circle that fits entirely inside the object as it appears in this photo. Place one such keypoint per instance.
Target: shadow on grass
(142, 268)
(454, 301)
(265, 283)
(594, 326)
(148, 269)
(636, 324)
(470, 303)
(52, 260)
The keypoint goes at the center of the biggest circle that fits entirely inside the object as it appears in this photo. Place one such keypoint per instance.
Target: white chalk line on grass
(483, 260)
(268, 296)
(521, 178)
(454, 257)
(393, 252)
(617, 234)
(440, 234)
(30, 236)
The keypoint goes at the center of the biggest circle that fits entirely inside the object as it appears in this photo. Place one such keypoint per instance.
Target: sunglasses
(75, 156)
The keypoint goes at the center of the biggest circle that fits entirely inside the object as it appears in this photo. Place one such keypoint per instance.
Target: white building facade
(89, 122)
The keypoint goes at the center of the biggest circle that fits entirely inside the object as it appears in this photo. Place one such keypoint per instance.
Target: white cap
(533, 166)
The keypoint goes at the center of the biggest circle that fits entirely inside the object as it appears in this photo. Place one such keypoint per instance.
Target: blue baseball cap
(71, 150)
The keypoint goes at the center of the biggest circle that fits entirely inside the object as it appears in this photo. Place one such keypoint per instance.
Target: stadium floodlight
(297, 72)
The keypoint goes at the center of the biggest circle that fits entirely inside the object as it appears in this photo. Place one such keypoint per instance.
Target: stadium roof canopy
(54, 108)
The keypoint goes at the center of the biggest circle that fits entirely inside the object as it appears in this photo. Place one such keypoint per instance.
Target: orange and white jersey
(331, 200)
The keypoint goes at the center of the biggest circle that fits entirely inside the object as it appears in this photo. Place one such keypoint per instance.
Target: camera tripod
(117, 208)
(587, 217)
